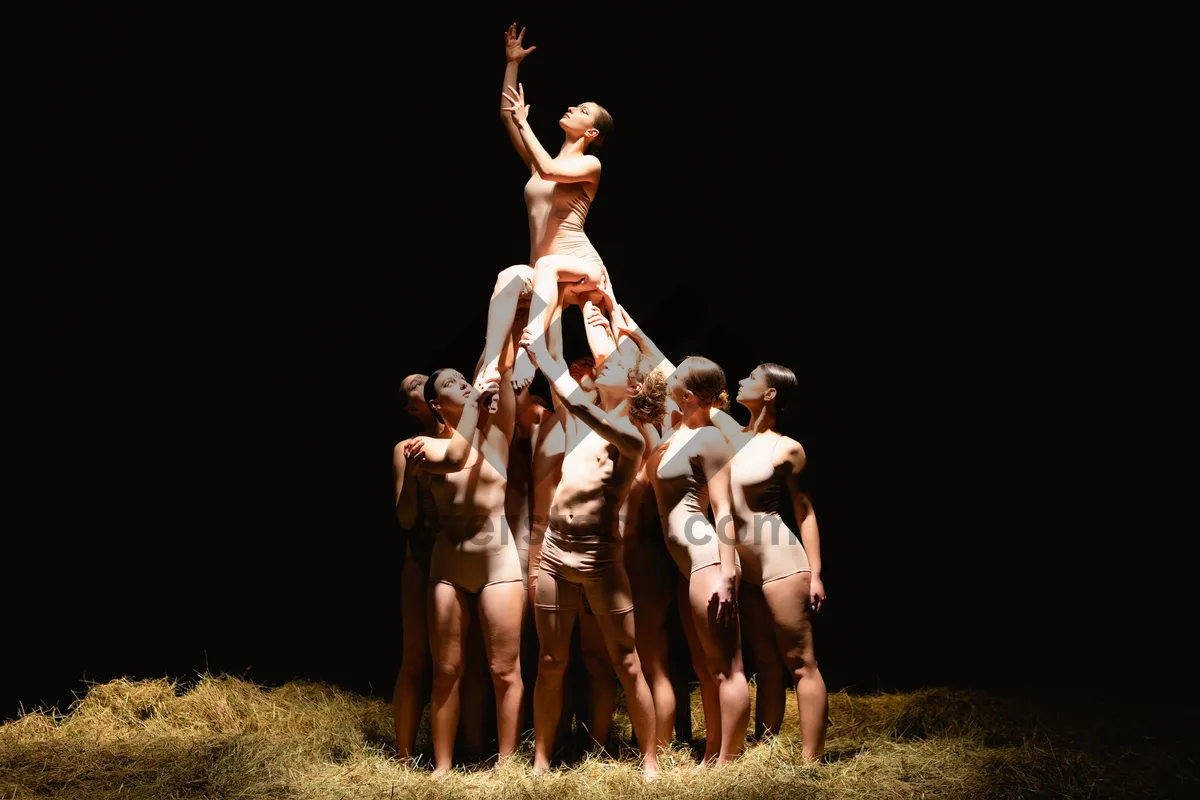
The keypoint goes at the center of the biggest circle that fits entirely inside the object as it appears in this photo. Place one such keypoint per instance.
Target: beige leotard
(474, 546)
(768, 548)
(557, 212)
(681, 490)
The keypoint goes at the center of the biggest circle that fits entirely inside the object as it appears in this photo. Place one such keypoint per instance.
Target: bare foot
(440, 772)
(489, 373)
(523, 371)
(650, 772)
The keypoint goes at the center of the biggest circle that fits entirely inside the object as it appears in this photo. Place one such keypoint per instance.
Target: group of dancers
(634, 489)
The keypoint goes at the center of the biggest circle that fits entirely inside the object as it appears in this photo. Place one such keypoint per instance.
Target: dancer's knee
(513, 279)
(551, 665)
(446, 674)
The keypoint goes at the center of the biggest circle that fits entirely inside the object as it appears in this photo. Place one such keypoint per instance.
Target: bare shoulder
(791, 452)
(709, 439)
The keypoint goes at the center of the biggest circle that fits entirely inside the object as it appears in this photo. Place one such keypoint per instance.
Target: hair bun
(722, 401)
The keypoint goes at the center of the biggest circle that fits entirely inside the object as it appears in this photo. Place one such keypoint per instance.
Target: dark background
(237, 234)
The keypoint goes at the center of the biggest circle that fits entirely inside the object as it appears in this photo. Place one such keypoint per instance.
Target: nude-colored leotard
(682, 494)
(557, 212)
(768, 548)
(474, 547)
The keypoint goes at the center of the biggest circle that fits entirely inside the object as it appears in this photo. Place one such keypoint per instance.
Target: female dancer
(688, 472)
(782, 574)
(473, 555)
(581, 549)
(558, 194)
(414, 509)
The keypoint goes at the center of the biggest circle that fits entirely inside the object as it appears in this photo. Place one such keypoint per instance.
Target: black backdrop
(238, 233)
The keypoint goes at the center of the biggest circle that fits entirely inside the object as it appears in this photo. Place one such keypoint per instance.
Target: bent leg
(787, 598)
(506, 296)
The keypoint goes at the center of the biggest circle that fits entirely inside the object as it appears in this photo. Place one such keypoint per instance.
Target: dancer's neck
(573, 147)
(696, 417)
(762, 419)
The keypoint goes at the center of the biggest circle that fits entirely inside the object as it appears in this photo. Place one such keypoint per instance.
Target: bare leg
(770, 697)
(407, 696)
(620, 637)
(501, 610)
(708, 687)
(506, 296)
(448, 619)
(548, 273)
(723, 657)
(652, 600)
(475, 690)
(602, 681)
(787, 598)
(554, 643)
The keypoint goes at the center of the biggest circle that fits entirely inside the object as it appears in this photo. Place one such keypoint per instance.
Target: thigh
(449, 618)
(608, 591)
(757, 624)
(501, 612)
(718, 639)
(414, 610)
(553, 592)
(586, 273)
(554, 627)
(791, 614)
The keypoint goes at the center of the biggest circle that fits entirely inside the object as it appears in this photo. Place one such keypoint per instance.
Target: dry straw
(223, 737)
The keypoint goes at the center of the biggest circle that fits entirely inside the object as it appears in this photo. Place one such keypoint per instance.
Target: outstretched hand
(513, 50)
(518, 109)
(622, 324)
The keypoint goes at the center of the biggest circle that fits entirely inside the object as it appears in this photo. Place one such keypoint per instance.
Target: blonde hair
(649, 404)
(705, 379)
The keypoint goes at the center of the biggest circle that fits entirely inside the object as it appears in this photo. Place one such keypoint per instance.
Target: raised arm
(715, 455)
(514, 54)
(625, 326)
(806, 520)
(450, 454)
(565, 169)
(576, 400)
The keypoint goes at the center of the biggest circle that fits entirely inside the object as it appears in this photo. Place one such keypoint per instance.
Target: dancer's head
(446, 394)
(583, 370)
(697, 383)
(412, 389)
(589, 120)
(627, 375)
(770, 384)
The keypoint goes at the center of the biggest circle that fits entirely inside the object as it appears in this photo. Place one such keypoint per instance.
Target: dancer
(474, 554)
(415, 512)
(558, 194)
(687, 473)
(581, 549)
(781, 586)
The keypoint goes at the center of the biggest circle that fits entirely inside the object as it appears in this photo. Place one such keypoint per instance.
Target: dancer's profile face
(614, 372)
(753, 387)
(413, 388)
(675, 387)
(579, 119)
